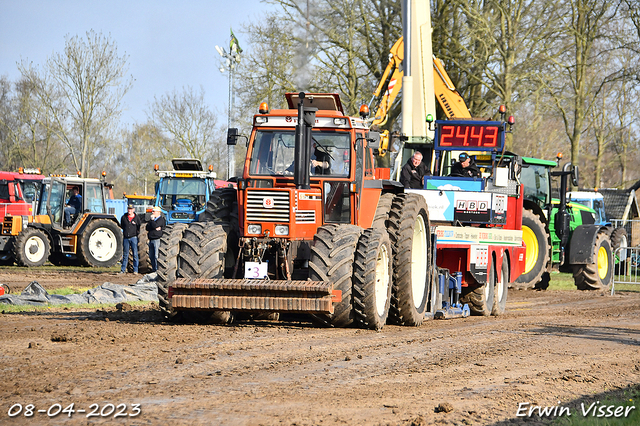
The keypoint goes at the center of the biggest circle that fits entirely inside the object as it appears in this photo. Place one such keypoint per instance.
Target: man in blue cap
(465, 167)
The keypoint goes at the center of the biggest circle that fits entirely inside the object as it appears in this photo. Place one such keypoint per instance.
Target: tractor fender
(582, 244)
(94, 216)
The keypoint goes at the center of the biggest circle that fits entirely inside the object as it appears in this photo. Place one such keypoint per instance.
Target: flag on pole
(234, 42)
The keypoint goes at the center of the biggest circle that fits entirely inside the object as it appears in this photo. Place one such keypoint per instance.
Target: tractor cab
(83, 234)
(182, 193)
(56, 193)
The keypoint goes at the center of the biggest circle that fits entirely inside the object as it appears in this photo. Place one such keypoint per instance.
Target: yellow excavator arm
(391, 82)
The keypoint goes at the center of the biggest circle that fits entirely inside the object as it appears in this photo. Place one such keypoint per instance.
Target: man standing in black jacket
(154, 227)
(130, 224)
(414, 171)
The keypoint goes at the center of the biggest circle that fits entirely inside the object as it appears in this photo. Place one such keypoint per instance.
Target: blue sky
(170, 44)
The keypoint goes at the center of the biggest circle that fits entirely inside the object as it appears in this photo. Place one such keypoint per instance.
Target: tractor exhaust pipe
(306, 120)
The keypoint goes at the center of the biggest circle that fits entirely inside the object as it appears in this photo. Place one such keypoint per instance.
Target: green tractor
(561, 234)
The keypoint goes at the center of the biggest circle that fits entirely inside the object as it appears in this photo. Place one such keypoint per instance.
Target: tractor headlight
(282, 229)
(254, 229)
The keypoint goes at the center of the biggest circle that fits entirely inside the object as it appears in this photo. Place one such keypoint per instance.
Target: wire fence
(627, 266)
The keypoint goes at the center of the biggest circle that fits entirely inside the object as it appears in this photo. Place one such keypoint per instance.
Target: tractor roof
(538, 162)
(322, 101)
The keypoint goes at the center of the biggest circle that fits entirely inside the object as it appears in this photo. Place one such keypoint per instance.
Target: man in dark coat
(465, 167)
(154, 228)
(130, 224)
(414, 171)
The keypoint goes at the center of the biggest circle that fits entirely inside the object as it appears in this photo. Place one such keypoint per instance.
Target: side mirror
(373, 140)
(574, 176)
(232, 136)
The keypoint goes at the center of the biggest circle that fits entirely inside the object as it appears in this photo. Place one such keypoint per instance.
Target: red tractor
(313, 227)
(18, 197)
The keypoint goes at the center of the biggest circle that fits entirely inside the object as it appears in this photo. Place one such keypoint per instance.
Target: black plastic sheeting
(34, 294)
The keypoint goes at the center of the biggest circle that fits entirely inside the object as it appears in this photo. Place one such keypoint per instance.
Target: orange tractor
(313, 227)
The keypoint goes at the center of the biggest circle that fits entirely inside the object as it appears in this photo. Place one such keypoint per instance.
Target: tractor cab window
(4, 192)
(274, 152)
(182, 194)
(536, 184)
(93, 198)
(30, 190)
(52, 201)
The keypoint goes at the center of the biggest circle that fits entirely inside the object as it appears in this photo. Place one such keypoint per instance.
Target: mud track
(549, 347)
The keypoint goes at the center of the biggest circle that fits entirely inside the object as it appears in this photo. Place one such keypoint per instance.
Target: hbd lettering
(471, 206)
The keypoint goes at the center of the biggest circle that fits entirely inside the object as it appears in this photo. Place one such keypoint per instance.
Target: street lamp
(231, 58)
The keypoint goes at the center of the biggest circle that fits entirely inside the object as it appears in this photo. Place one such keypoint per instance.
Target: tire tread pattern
(364, 279)
(332, 257)
(168, 263)
(402, 217)
(586, 276)
(21, 241)
(532, 279)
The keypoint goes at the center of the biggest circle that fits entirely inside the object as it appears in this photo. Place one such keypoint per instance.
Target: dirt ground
(554, 347)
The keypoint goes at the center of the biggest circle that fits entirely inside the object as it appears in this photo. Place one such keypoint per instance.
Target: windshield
(30, 190)
(140, 201)
(182, 191)
(273, 153)
(536, 184)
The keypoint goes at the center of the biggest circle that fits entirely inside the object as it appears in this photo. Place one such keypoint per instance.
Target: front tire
(409, 233)
(598, 275)
(32, 247)
(168, 264)
(202, 254)
(101, 244)
(534, 236)
(332, 256)
(372, 279)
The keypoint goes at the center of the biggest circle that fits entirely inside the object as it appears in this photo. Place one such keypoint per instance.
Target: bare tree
(26, 131)
(82, 90)
(188, 127)
(583, 62)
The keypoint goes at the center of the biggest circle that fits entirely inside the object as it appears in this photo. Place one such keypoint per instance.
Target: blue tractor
(183, 192)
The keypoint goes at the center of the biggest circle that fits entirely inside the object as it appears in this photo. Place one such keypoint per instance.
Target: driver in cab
(465, 167)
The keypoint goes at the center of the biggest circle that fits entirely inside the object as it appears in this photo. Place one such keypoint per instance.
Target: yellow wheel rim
(533, 250)
(603, 263)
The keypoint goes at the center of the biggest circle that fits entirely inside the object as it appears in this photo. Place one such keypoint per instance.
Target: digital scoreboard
(469, 135)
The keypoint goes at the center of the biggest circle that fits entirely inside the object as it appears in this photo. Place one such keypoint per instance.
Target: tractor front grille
(268, 206)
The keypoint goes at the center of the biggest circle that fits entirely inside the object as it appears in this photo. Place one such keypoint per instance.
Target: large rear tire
(168, 264)
(598, 275)
(144, 262)
(202, 251)
(382, 211)
(534, 236)
(501, 288)
(410, 240)
(332, 257)
(202, 254)
(32, 247)
(100, 244)
(222, 209)
(372, 279)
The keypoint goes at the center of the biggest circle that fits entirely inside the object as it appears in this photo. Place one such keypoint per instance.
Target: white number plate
(255, 270)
